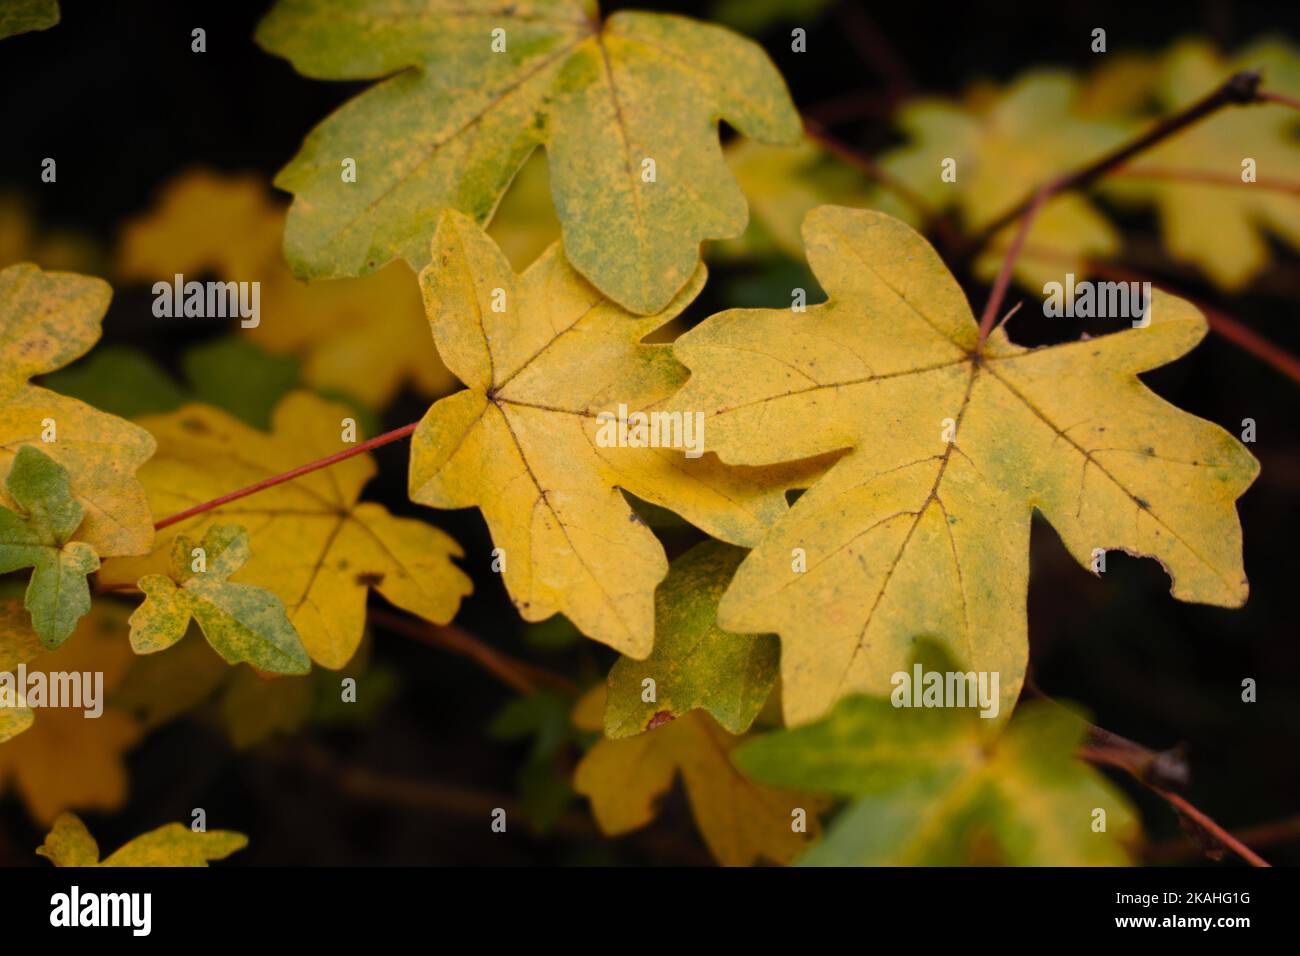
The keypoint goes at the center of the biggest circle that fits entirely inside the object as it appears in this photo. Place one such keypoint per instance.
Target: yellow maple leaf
(315, 545)
(923, 528)
(362, 337)
(18, 645)
(741, 821)
(69, 843)
(545, 355)
(47, 319)
(68, 759)
(1221, 226)
(1004, 145)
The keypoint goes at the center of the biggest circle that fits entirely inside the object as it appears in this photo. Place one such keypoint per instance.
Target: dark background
(114, 93)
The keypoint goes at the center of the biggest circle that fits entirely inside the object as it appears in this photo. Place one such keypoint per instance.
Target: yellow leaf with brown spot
(922, 529)
(48, 319)
(316, 546)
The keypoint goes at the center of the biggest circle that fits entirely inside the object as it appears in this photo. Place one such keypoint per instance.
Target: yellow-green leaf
(22, 16)
(38, 535)
(626, 107)
(694, 664)
(69, 843)
(545, 355)
(47, 319)
(314, 544)
(941, 788)
(923, 527)
(243, 623)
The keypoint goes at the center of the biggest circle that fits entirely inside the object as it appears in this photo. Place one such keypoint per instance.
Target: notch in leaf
(240, 621)
(39, 536)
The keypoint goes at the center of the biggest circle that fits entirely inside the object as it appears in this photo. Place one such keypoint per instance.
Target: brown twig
(931, 217)
(1202, 177)
(1269, 96)
(298, 472)
(519, 675)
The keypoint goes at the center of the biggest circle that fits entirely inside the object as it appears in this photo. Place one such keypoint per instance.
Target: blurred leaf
(756, 16)
(70, 844)
(241, 378)
(1222, 226)
(119, 380)
(932, 787)
(67, 761)
(741, 821)
(363, 338)
(543, 782)
(21, 16)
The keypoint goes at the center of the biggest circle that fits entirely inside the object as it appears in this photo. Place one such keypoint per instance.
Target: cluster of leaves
(904, 532)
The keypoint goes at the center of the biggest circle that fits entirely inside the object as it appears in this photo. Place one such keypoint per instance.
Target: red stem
(365, 446)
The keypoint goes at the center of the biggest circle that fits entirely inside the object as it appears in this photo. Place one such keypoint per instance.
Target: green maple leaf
(455, 120)
(694, 663)
(933, 788)
(240, 621)
(39, 536)
(69, 843)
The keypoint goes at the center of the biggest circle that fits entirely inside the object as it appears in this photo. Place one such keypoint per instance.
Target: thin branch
(1239, 89)
(874, 50)
(519, 675)
(1203, 177)
(365, 446)
(1279, 832)
(1269, 96)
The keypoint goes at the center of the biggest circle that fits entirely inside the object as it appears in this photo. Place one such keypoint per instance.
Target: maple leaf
(66, 760)
(69, 843)
(39, 536)
(922, 529)
(241, 622)
(316, 547)
(18, 645)
(521, 442)
(694, 664)
(1007, 144)
(22, 16)
(1221, 227)
(360, 337)
(740, 820)
(941, 788)
(47, 319)
(454, 120)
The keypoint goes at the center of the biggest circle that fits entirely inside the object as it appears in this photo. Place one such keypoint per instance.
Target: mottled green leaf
(455, 120)
(936, 787)
(39, 536)
(240, 621)
(694, 662)
(70, 844)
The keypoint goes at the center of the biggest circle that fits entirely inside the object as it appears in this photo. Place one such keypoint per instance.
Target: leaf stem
(365, 446)
(1239, 89)
(519, 675)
